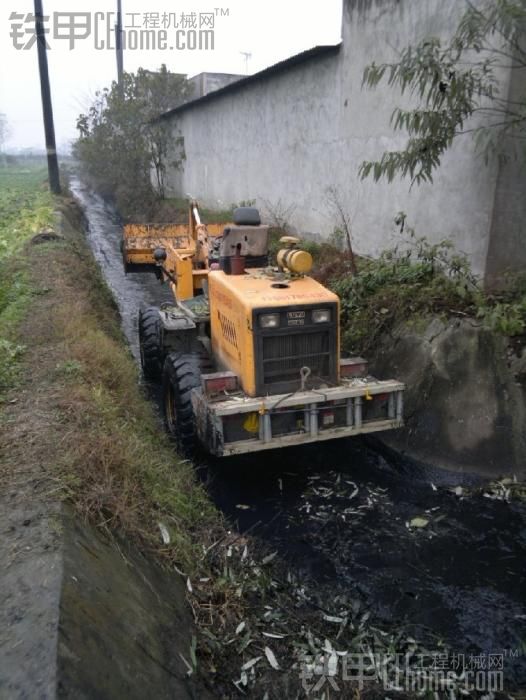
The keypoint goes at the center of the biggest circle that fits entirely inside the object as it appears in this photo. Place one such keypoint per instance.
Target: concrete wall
(291, 136)
(465, 399)
(258, 144)
(507, 245)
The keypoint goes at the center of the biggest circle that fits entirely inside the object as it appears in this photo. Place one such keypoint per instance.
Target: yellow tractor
(248, 354)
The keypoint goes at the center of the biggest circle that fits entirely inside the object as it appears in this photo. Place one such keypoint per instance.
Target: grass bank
(71, 399)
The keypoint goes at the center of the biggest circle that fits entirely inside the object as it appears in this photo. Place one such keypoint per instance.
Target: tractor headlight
(269, 320)
(321, 316)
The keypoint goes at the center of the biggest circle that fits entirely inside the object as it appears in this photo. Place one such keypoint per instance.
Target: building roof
(206, 72)
(275, 69)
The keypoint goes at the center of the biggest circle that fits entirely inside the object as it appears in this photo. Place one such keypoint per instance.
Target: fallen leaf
(268, 558)
(418, 522)
(333, 618)
(164, 533)
(250, 663)
(190, 670)
(332, 664)
(271, 658)
(240, 627)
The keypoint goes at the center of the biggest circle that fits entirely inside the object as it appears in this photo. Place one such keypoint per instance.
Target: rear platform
(238, 424)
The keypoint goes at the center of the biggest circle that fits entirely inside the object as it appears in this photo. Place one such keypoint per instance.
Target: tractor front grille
(285, 355)
(280, 357)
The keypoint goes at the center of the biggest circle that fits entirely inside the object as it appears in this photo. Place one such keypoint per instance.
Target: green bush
(416, 280)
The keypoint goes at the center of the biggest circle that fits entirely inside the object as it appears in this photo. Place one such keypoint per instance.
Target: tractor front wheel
(151, 342)
(181, 374)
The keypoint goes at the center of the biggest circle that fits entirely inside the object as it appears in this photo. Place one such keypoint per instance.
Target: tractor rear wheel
(151, 342)
(181, 374)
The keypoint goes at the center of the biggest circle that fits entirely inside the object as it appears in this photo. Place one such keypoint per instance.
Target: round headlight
(321, 316)
(269, 320)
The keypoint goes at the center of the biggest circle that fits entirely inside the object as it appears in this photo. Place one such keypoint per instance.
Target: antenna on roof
(247, 56)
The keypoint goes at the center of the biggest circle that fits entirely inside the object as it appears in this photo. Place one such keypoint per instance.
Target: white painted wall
(290, 137)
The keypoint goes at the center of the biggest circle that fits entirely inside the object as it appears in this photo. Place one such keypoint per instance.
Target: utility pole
(47, 109)
(118, 44)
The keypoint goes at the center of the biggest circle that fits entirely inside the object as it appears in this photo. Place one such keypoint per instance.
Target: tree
(453, 81)
(344, 223)
(121, 140)
(5, 131)
(165, 90)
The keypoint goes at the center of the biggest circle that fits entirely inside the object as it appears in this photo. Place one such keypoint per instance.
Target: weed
(278, 215)
(10, 354)
(70, 369)
(508, 318)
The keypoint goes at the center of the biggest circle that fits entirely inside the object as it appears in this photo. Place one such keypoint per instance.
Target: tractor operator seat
(247, 238)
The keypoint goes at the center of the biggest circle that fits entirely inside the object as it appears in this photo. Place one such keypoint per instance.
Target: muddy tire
(151, 343)
(181, 374)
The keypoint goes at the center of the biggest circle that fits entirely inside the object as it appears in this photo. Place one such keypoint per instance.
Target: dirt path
(30, 523)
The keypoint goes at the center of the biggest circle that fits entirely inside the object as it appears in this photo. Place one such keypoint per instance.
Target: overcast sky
(270, 30)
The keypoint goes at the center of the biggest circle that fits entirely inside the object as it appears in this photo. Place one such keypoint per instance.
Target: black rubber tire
(151, 342)
(181, 374)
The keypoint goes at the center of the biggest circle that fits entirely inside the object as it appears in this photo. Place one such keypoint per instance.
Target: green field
(26, 207)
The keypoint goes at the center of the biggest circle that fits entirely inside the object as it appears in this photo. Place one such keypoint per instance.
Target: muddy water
(104, 233)
(339, 513)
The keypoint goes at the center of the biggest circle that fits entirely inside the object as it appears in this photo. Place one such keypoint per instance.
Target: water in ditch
(340, 514)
